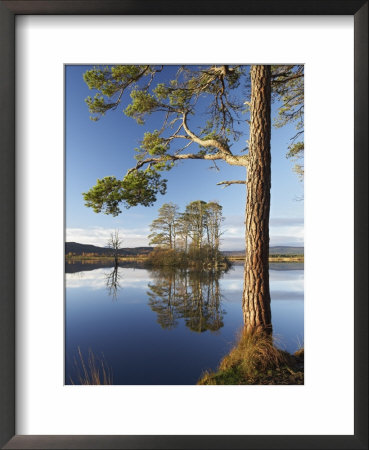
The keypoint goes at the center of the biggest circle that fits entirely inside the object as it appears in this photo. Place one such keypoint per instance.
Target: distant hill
(280, 250)
(78, 249)
(286, 250)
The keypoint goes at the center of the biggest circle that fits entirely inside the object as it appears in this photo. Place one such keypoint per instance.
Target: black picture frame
(8, 11)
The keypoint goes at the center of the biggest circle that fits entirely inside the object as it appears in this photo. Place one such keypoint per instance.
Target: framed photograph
(136, 312)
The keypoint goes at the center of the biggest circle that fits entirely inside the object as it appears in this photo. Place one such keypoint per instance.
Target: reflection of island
(189, 295)
(72, 266)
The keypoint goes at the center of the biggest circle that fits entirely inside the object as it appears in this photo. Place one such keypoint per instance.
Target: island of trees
(190, 238)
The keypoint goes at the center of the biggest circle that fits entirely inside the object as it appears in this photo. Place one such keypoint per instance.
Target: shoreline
(144, 258)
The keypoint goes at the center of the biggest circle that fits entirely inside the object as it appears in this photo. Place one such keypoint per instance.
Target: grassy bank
(286, 259)
(200, 259)
(256, 360)
(146, 258)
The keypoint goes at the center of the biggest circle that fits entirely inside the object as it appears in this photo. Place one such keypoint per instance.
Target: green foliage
(288, 88)
(110, 82)
(195, 215)
(177, 96)
(142, 186)
(158, 239)
(296, 152)
(138, 187)
(105, 196)
(142, 103)
(153, 144)
(97, 106)
(164, 228)
(109, 79)
(98, 78)
(124, 74)
(161, 91)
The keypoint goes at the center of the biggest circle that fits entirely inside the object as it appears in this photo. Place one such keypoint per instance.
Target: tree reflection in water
(190, 295)
(112, 280)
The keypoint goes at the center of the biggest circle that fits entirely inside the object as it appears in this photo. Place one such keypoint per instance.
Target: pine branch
(228, 183)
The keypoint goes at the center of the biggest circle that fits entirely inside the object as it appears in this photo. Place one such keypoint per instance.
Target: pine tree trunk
(256, 295)
(170, 237)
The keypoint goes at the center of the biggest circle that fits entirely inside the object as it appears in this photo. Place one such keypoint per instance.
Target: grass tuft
(256, 360)
(92, 372)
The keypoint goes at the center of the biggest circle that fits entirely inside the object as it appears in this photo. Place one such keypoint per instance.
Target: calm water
(155, 327)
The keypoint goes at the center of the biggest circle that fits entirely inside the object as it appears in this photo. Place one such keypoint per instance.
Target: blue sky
(106, 147)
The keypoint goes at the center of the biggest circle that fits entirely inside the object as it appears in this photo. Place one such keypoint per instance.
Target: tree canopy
(194, 90)
(164, 228)
(288, 88)
(211, 93)
(200, 223)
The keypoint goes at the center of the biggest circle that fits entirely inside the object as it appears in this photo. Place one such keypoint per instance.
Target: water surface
(167, 327)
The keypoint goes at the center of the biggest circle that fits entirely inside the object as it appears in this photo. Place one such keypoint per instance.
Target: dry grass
(255, 350)
(92, 372)
(255, 360)
(299, 353)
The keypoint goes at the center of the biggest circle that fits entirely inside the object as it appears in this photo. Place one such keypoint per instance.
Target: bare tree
(112, 281)
(115, 243)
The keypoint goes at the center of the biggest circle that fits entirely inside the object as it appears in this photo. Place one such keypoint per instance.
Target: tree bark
(256, 294)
